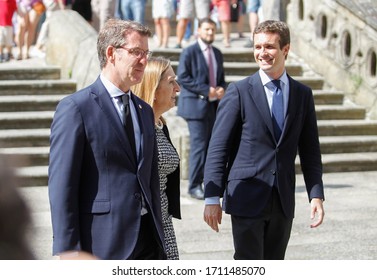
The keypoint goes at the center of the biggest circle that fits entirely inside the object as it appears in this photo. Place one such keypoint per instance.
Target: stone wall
(335, 39)
(72, 45)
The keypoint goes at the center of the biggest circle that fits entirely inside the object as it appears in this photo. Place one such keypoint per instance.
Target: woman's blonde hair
(153, 73)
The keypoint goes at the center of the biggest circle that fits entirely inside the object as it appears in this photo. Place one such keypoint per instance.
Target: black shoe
(197, 193)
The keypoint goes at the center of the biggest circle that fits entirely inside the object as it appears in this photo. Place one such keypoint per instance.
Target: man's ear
(286, 50)
(110, 54)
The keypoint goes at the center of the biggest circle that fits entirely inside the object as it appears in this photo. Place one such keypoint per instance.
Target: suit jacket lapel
(102, 98)
(203, 61)
(256, 90)
(292, 105)
(219, 62)
(139, 113)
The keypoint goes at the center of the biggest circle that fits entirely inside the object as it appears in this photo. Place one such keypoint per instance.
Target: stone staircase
(29, 95)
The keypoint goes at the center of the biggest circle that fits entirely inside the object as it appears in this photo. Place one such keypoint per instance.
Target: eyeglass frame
(141, 52)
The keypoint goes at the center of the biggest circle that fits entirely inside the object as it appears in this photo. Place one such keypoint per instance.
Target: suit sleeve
(188, 72)
(66, 150)
(310, 153)
(223, 144)
(220, 65)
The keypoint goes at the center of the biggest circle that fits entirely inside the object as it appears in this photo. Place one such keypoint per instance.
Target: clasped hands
(216, 93)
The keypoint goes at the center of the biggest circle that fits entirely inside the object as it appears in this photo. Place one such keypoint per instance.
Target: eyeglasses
(137, 52)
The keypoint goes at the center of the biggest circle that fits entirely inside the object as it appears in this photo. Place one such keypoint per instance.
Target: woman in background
(162, 11)
(29, 13)
(159, 88)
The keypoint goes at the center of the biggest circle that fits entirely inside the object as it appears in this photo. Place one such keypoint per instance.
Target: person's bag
(234, 12)
(39, 7)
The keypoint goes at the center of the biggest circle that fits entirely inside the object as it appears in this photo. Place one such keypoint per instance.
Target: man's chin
(265, 67)
(136, 80)
(208, 42)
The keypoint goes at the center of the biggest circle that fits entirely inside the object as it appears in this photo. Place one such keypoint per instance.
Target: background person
(201, 90)
(102, 10)
(7, 10)
(223, 15)
(28, 16)
(186, 14)
(252, 9)
(162, 11)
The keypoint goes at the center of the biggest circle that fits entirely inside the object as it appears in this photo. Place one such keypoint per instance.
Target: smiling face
(166, 92)
(268, 54)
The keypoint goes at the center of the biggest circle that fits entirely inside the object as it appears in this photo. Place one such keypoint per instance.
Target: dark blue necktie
(277, 109)
(127, 122)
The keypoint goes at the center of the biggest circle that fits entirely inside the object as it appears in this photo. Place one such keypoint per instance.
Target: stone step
(315, 83)
(234, 55)
(328, 97)
(38, 175)
(43, 119)
(25, 137)
(37, 87)
(30, 73)
(22, 103)
(32, 176)
(28, 156)
(350, 162)
(337, 112)
(346, 127)
(26, 120)
(11, 103)
(246, 69)
(348, 144)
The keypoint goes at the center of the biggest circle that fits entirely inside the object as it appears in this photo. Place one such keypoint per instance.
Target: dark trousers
(148, 247)
(200, 134)
(264, 237)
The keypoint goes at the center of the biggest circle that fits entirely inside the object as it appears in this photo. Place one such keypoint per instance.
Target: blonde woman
(159, 88)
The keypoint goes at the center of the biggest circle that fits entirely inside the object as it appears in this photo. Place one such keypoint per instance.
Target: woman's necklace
(159, 124)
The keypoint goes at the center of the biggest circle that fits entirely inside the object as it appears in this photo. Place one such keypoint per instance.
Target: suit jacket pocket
(242, 172)
(192, 107)
(96, 207)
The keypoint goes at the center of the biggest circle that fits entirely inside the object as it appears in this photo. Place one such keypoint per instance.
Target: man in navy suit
(104, 191)
(251, 164)
(201, 90)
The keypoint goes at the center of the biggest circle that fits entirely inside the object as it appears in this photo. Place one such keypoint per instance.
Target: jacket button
(273, 172)
(137, 196)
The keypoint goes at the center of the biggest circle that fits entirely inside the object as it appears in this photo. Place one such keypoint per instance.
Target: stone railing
(339, 43)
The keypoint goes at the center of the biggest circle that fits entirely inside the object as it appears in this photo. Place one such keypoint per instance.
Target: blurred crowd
(24, 23)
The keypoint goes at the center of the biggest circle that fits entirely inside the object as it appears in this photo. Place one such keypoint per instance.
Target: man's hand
(212, 95)
(213, 215)
(220, 92)
(77, 255)
(316, 208)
